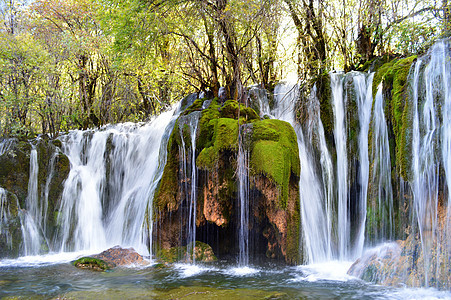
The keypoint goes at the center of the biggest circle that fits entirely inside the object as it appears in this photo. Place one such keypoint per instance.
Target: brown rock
(118, 256)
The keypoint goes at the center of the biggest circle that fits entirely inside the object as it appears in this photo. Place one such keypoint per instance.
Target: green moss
(207, 125)
(216, 133)
(394, 75)
(207, 158)
(275, 153)
(167, 191)
(325, 98)
(196, 106)
(400, 113)
(380, 74)
(231, 109)
(91, 263)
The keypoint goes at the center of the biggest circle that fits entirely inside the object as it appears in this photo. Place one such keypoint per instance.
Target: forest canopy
(67, 64)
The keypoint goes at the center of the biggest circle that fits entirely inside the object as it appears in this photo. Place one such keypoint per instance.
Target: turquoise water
(53, 277)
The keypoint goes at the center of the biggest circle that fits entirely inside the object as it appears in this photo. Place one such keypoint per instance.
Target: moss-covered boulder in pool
(92, 263)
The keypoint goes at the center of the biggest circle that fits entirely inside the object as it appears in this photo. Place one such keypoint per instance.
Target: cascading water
(315, 191)
(119, 166)
(381, 213)
(430, 87)
(6, 215)
(259, 97)
(190, 123)
(31, 218)
(322, 241)
(338, 105)
(243, 195)
(443, 53)
(319, 235)
(363, 86)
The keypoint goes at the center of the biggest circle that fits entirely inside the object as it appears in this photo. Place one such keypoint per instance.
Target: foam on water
(241, 271)
(43, 260)
(332, 271)
(189, 270)
(418, 293)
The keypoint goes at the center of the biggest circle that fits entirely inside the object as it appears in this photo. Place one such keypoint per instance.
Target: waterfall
(260, 100)
(317, 216)
(443, 53)
(109, 191)
(363, 86)
(189, 122)
(430, 88)
(6, 216)
(340, 135)
(31, 218)
(316, 190)
(381, 214)
(243, 195)
(325, 200)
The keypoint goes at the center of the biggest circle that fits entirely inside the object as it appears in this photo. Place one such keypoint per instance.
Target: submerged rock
(202, 253)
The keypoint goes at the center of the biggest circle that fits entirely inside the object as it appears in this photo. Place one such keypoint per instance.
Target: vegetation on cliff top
(81, 64)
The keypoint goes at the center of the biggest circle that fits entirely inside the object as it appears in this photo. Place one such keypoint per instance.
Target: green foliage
(414, 36)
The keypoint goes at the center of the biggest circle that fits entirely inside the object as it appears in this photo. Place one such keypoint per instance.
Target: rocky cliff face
(53, 168)
(273, 168)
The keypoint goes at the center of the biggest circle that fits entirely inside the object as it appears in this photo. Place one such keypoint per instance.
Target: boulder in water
(111, 258)
(92, 263)
(118, 256)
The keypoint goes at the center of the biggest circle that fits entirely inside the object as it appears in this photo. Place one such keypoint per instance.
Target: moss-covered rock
(275, 153)
(274, 162)
(92, 263)
(225, 137)
(53, 169)
(231, 109)
(15, 169)
(394, 76)
(118, 256)
(325, 99)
